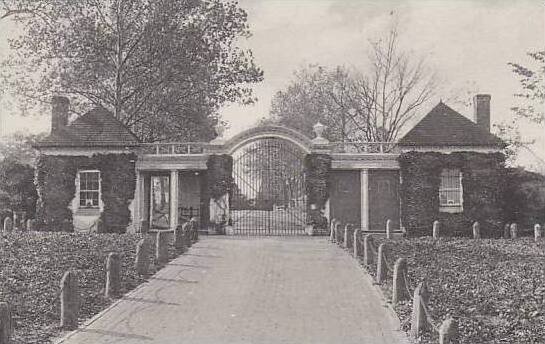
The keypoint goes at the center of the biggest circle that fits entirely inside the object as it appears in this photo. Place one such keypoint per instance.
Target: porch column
(173, 199)
(364, 192)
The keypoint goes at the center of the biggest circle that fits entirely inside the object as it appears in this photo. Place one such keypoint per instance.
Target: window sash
(450, 189)
(89, 189)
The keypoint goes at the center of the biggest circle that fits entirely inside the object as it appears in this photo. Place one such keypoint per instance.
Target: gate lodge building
(94, 174)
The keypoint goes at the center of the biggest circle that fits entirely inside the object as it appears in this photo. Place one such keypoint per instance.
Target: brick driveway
(250, 290)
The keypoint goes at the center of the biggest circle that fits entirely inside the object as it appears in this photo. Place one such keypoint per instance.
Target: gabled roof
(97, 127)
(443, 126)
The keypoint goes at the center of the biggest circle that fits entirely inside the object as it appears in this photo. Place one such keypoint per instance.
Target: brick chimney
(481, 111)
(60, 109)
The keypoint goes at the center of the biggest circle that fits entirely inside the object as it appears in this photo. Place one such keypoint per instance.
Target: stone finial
(113, 275)
(476, 230)
(436, 229)
(399, 285)
(513, 229)
(538, 233)
(319, 132)
(69, 300)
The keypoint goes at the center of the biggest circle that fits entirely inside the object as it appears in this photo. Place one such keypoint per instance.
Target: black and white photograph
(272, 171)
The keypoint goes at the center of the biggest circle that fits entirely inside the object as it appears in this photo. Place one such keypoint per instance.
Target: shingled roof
(97, 127)
(443, 126)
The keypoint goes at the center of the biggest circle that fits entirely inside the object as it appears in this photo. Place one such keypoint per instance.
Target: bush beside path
(495, 288)
(32, 265)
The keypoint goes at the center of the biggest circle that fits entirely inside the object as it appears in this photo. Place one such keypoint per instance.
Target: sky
(467, 43)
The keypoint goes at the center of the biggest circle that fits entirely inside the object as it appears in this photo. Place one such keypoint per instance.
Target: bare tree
(372, 105)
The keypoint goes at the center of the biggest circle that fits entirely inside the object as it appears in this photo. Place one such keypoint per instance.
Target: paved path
(251, 290)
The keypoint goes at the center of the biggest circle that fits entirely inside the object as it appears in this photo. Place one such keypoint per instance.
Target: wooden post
(388, 229)
(538, 234)
(448, 332)
(141, 260)
(187, 235)
(332, 230)
(381, 265)
(8, 224)
(30, 225)
(399, 285)
(69, 300)
(179, 234)
(506, 233)
(355, 242)
(113, 275)
(347, 242)
(367, 254)
(194, 230)
(338, 237)
(5, 323)
(161, 247)
(418, 316)
(514, 231)
(436, 229)
(476, 230)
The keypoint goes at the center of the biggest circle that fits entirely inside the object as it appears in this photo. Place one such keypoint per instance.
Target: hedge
(55, 184)
(482, 183)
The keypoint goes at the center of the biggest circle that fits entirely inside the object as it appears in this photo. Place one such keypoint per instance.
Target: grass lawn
(32, 265)
(494, 287)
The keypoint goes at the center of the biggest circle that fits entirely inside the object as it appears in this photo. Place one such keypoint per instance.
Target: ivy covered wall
(317, 168)
(483, 178)
(55, 184)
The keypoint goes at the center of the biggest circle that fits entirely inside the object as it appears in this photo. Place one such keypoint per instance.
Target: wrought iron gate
(269, 193)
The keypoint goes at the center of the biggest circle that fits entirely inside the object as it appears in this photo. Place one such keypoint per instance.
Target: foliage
(317, 168)
(482, 183)
(369, 106)
(18, 147)
(118, 179)
(525, 197)
(493, 288)
(55, 182)
(164, 68)
(17, 187)
(32, 265)
(219, 175)
(529, 102)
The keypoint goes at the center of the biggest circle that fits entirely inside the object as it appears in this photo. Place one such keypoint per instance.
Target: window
(450, 191)
(89, 189)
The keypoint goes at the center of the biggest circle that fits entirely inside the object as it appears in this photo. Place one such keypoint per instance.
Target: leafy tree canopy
(163, 67)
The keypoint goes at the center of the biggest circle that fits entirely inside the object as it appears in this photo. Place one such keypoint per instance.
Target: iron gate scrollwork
(268, 197)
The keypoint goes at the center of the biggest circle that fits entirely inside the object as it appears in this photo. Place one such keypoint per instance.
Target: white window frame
(452, 208)
(80, 172)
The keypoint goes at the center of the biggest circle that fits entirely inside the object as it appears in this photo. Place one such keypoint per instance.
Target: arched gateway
(268, 195)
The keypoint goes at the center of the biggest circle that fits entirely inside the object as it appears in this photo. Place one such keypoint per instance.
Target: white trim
(78, 190)
(452, 149)
(173, 198)
(90, 151)
(452, 208)
(364, 199)
(266, 136)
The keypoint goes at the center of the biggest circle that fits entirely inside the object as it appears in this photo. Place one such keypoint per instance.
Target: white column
(364, 192)
(173, 199)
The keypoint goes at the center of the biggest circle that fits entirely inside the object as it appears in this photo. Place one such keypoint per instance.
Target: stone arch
(269, 131)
